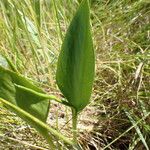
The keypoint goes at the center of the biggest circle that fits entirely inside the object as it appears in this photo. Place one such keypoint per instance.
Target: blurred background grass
(31, 33)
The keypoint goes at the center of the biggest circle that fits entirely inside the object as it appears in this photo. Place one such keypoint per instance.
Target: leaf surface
(28, 101)
(75, 69)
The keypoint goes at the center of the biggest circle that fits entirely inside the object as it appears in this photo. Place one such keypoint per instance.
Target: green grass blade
(37, 8)
(137, 130)
(133, 126)
(35, 121)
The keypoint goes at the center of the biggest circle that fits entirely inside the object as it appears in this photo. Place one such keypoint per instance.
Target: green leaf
(25, 100)
(75, 70)
(30, 102)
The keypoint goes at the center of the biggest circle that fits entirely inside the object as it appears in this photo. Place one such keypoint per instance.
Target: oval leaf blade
(28, 101)
(31, 103)
(76, 63)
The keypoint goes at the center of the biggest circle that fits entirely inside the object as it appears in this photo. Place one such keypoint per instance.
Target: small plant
(74, 76)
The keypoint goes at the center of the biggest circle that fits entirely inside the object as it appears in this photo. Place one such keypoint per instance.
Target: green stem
(74, 124)
(36, 121)
(50, 142)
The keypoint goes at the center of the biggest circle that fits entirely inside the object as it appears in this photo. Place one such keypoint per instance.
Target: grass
(31, 39)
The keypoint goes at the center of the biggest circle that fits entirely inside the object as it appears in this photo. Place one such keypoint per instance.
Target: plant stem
(36, 121)
(50, 142)
(74, 124)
